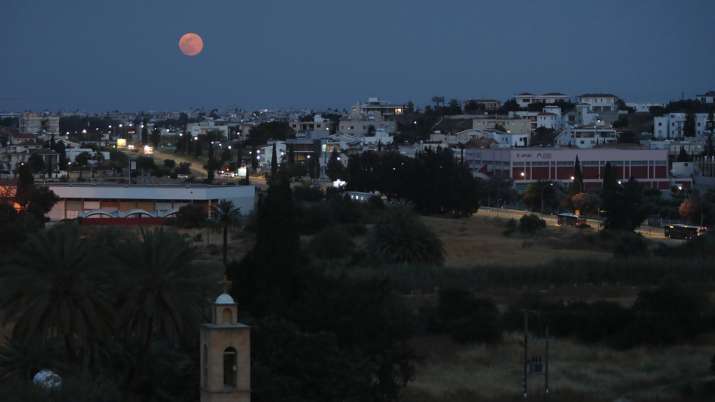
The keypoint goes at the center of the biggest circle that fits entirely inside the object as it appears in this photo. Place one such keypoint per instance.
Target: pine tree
(610, 180)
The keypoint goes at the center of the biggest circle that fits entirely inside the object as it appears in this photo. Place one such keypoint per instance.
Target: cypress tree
(577, 184)
(689, 128)
(211, 164)
(266, 279)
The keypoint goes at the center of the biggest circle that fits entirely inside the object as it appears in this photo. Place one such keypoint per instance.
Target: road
(650, 232)
(197, 168)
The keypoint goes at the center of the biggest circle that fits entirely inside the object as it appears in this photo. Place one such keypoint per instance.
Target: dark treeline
(660, 316)
(434, 181)
(319, 337)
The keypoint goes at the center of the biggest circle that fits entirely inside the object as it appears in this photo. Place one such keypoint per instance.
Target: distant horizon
(322, 54)
(325, 108)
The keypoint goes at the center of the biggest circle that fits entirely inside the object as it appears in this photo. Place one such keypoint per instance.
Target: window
(205, 359)
(230, 367)
(227, 316)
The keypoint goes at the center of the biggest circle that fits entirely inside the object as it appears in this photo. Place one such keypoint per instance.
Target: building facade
(528, 165)
(39, 123)
(525, 99)
(672, 125)
(97, 201)
(508, 124)
(598, 102)
(707, 97)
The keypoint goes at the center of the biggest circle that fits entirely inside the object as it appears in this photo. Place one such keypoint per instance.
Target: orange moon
(191, 44)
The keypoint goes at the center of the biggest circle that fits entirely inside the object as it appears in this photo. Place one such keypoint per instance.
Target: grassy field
(478, 241)
(451, 372)
(579, 372)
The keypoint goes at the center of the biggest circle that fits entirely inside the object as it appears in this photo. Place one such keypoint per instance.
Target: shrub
(307, 194)
(345, 210)
(402, 238)
(667, 314)
(191, 216)
(467, 318)
(332, 243)
(314, 219)
(531, 223)
(511, 226)
(629, 244)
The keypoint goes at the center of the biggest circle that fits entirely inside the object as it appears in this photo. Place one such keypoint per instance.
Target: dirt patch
(479, 241)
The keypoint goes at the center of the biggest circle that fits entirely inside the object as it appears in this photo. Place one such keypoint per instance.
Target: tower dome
(224, 298)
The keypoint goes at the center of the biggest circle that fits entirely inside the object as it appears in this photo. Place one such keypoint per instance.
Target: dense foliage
(116, 317)
(323, 338)
(434, 181)
(401, 238)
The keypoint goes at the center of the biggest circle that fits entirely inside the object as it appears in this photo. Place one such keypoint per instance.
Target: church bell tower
(225, 355)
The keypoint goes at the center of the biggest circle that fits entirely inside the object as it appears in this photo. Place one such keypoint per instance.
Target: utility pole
(546, 362)
(526, 354)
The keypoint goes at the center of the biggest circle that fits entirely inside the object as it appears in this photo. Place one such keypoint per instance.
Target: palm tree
(163, 295)
(21, 359)
(52, 289)
(226, 215)
(163, 291)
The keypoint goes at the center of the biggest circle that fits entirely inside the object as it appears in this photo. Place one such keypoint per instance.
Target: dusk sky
(104, 55)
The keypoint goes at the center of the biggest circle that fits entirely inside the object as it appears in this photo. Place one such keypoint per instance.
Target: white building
(525, 99)
(381, 137)
(583, 115)
(360, 125)
(552, 109)
(548, 120)
(39, 123)
(97, 201)
(588, 136)
(707, 97)
(671, 125)
(205, 127)
(643, 107)
(307, 125)
(511, 124)
(598, 102)
(378, 109)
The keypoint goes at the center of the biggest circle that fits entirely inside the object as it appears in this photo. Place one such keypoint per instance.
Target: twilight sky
(99, 55)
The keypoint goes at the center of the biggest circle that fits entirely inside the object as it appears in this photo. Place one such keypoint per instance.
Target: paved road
(197, 167)
(647, 231)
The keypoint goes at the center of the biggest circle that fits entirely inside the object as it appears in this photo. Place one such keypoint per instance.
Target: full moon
(191, 44)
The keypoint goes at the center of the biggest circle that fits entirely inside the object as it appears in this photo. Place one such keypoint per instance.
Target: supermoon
(191, 44)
